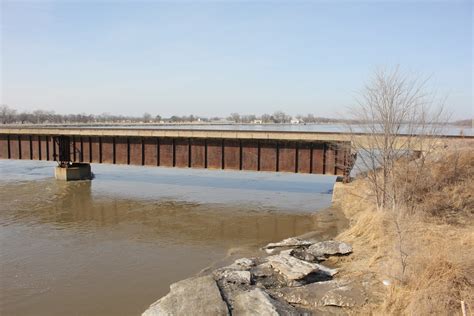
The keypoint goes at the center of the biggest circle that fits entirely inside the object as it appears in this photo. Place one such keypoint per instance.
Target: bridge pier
(73, 172)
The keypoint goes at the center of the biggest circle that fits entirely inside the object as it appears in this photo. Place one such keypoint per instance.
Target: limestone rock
(230, 290)
(257, 302)
(329, 311)
(244, 263)
(193, 296)
(292, 268)
(262, 270)
(289, 242)
(264, 276)
(304, 255)
(342, 293)
(326, 270)
(328, 248)
(233, 276)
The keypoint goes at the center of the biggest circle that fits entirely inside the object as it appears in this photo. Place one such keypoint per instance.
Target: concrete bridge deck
(204, 133)
(172, 132)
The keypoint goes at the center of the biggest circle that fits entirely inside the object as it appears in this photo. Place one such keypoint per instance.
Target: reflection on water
(71, 206)
(113, 245)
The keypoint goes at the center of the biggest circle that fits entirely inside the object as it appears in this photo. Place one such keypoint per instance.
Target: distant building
(257, 122)
(295, 121)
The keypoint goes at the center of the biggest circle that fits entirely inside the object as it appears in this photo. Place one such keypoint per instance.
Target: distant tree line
(10, 115)
(279, 117)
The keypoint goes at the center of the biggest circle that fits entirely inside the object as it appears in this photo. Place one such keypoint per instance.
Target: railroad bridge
(74, 148)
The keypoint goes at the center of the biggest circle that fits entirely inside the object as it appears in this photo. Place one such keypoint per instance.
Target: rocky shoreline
(295, 278)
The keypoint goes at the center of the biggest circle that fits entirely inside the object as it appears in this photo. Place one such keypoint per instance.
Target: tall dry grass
(426, 247)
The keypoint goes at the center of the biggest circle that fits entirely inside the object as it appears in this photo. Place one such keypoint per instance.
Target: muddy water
(114, 245)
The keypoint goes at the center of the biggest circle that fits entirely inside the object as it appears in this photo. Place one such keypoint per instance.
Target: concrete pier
(73, 172)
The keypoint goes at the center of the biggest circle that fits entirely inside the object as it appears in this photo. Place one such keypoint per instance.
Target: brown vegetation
(426, 248)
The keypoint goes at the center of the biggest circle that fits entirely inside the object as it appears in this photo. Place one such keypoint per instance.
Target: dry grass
(437, 238)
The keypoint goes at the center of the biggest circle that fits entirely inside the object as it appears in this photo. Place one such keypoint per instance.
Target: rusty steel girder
(297, 156)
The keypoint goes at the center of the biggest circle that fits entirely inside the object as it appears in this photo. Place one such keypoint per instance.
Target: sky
(214, 58)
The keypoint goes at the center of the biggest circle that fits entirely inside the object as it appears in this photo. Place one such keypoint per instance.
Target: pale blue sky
(214, 58)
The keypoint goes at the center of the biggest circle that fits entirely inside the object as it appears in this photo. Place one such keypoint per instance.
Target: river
(113, 245)
(448, 130)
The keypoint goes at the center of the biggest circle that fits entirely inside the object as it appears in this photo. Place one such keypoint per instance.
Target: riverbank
(424, 257)
(421, 263)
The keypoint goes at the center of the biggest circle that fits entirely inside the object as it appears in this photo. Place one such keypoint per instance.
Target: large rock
(193, 296)
(289, 242)
(257, 302)
(329, 248)
(342, 293)
(292, 268)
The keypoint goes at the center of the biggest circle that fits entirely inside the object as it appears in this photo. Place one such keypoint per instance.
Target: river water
(113, 245)
(452, 130)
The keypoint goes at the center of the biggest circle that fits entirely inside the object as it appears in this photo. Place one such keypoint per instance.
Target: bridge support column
(73, 172)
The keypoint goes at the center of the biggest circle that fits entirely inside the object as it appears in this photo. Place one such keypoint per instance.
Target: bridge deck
(194, 133)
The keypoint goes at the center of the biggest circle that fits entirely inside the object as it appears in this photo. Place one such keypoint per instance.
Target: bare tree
(398, 118)
(266, 118)
(7, 114)
(234, 117)
(248, 118)
(147, 117)
(281, 117)
(399, 124)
